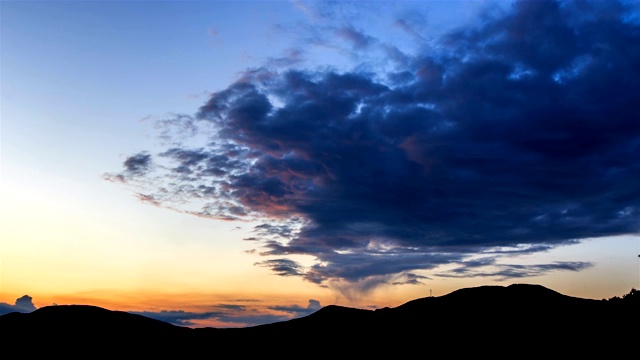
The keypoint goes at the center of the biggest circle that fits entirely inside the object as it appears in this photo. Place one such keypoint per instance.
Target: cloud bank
(24, 304)
(225, 315)
(514, 134)
(233, 315)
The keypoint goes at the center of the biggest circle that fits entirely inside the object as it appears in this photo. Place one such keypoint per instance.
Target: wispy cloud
(514, 134)
(247, 312)
(233, 315)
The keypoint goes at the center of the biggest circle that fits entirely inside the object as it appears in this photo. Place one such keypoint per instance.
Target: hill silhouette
(516, 319)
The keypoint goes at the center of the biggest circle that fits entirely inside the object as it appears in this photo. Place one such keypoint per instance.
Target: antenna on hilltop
(431, 290)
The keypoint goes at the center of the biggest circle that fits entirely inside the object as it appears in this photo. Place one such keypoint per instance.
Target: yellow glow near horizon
(63, 246)
(52, 246)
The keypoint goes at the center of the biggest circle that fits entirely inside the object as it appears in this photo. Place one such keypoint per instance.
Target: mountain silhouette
(501, 321)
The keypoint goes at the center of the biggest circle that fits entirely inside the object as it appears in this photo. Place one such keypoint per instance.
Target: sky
(235, 163)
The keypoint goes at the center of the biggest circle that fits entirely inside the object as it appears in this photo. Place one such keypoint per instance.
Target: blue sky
(270, 157)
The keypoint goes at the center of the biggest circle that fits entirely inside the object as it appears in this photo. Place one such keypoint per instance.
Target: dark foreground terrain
(516, 321)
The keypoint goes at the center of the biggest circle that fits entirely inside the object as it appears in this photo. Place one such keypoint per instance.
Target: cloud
(23, 304)
(134, 166)
(356, 38)
(510, 271)
(178, 317)
(137, 164)
(514, 134)
(283, 267)
(233, 315)
(412, 279)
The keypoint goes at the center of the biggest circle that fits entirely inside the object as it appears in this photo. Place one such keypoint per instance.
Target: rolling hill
(492, 320)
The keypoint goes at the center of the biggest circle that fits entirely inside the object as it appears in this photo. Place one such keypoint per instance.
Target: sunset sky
(234, 163)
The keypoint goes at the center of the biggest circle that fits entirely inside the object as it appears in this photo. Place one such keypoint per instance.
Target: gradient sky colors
(232, 163)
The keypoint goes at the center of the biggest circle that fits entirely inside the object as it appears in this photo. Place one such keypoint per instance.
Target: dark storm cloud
(513, 135)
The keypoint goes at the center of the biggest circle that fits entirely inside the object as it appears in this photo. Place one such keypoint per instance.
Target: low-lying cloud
(233, 315)
(23, 304)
